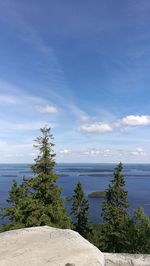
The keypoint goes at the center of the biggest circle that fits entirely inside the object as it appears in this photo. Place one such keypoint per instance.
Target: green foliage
(114, 212)
(119, 232)
(138, 233)
(45, 162)
(79, 212)
(37, 201)
(97, 237)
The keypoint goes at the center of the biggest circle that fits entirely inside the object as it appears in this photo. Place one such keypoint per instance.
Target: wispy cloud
(10, 152)
(18, 109)
(7, 99)
(8, 125)
(96, 128)
(76, 111)
(47, 109)
(13, 95)
(138, 152)
(47, 63)
(64, 152)
(12, 15)
(113, 152)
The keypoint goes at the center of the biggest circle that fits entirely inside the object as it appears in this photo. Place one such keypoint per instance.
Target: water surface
(93, 177)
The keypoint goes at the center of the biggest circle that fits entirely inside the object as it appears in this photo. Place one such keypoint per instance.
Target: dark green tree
(114, 213)
(37, 201)
(79, 212)
(13, 212)
(138, 233)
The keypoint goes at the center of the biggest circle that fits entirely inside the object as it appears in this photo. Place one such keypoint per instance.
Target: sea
(94, 177)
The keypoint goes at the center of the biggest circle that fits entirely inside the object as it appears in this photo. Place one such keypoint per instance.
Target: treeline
(37, 201)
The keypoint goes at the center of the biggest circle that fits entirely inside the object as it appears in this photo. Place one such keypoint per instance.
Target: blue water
(137, 177)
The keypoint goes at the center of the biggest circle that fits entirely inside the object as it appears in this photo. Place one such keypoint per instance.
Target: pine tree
(37, 201)
(114, 212)
(79, 212)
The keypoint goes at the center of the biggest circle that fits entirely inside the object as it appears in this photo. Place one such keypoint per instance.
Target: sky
(81, 68)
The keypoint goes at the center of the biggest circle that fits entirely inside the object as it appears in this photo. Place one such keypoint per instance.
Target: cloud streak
(7, 99)
(47, 109)
(13, 95)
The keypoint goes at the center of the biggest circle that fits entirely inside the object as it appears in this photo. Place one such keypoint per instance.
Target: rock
(69, 264)
(44, 246)
(116, 259)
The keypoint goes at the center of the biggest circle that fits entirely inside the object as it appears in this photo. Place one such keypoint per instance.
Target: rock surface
(115, 259)
(44, 246)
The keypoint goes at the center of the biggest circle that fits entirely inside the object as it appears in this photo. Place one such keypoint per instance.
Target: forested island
(97, 194)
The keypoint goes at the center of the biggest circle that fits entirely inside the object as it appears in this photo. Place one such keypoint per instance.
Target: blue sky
(81, 67)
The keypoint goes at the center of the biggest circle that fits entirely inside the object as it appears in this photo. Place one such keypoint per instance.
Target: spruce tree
(114, 212)
(138, 233)
(37, 201)
(14, 211)
(79, 212)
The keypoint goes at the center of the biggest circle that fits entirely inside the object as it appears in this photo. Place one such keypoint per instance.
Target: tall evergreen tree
(79, 212)
(114, 212)
(37, 200)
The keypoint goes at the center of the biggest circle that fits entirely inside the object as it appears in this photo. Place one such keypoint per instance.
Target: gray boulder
(44, 246)
(116, 259)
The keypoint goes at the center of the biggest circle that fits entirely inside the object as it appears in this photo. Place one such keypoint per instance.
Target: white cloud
(122, 124)
(119, 154)
(92, 152)
(47, 109)
(136, 120)
(97, 152)
(96, 128)
(64, 151)
(139, 151)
